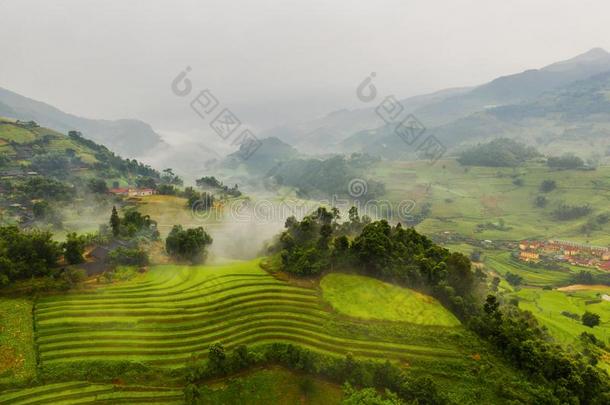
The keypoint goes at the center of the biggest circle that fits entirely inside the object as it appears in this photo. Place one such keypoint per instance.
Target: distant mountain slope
(578, 113)
(126, 136)
(573, 115)
(26, 147)
(271, 152)
(516, 88)
(317, 136)
(349, 131)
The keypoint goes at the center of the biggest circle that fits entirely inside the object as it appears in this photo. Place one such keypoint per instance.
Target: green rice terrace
(179, 311)
(168, 317)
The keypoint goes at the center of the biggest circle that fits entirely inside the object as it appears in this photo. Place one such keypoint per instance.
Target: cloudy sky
(280, 60)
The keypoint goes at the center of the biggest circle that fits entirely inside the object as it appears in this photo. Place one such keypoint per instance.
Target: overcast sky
(278, 60)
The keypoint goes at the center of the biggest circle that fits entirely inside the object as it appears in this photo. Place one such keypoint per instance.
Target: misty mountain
(550, 104)
(577, 114)
(271, 152)
(128, 137)
(318, 135)
(362, 130)
(515, 88)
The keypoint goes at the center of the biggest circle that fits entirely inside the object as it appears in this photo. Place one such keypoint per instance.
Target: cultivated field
(87, 393)
(463, 197)
(179, 311)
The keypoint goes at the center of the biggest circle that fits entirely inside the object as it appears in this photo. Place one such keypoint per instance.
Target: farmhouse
(132, 192)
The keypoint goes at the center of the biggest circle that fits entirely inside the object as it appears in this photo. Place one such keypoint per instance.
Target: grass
(12, 132)
(548, 305)
(463, 197)
(272, 386)
(17, 356)
(368, 298)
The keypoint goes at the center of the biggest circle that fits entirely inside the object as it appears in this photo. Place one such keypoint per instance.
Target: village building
(132, 192)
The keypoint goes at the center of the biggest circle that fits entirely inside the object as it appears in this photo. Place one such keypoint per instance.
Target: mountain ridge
(130, 137)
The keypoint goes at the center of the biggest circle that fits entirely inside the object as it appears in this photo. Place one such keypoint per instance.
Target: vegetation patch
(17, 355)
(368, 298)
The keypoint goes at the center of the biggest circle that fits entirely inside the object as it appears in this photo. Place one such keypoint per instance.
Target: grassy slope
(548, 305)
(57, 142)
(17, 356)
(462, 198)
(272, 386)
(367, 298)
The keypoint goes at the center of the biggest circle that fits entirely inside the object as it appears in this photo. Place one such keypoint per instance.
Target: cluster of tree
(567, 212)
(128, 256)
(34, 253)
(319, 243)
(513, 279)
(502, 152)
(518, 336)
(57, 164)
(212, 182)
(197, 201)
(586, 277)
(384, 376)
(39, 187)
(324, 178)
(565, 162)
(45, 212)
(188, 244)
(133, 224)
(97, 186)
(407, 258)
(168, 177)
(26, 254)
(594, 348)
(74, 248)
(108, 161)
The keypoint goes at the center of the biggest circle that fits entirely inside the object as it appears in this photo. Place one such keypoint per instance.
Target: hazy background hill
(563, 106)
(128, 137)
(455, 114)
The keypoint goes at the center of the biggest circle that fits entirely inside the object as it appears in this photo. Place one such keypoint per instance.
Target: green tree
(217, 357)
(74, 247)
(548, 185)
(188, 244)
(115, 222)
(590, 319)
(98, 186)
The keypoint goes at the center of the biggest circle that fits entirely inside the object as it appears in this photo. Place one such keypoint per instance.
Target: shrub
(128, 256)
(590, 319)
(548, 185)
(188, 244)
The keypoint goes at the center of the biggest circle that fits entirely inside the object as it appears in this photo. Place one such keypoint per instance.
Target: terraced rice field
(87, 393)
(177, 312)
